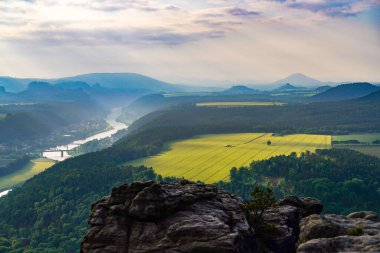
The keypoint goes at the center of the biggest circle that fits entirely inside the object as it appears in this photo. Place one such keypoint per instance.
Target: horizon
(198, 43)
(213, 84)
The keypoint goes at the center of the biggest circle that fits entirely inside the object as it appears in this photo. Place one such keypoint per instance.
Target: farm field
(34, 167)
(366, 145)
(367, 138)
(232, 104)
(209, 158)
(373, 150)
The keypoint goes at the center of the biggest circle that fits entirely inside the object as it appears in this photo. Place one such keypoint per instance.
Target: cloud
(181, 40)
(98, 37)
(333, 8)
(242, 12)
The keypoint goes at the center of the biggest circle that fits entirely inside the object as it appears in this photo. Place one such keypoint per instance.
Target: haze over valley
(189, 126)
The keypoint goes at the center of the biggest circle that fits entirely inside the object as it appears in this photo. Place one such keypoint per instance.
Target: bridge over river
(61, 151)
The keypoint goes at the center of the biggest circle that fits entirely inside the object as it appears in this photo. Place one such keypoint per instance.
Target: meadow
(365, 138)
(233, 104)
(366, 145)
(34, 167)
(209, 158)
(373, 150)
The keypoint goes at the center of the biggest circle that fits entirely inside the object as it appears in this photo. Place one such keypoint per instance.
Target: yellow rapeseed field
(209, 158)
(238, 104)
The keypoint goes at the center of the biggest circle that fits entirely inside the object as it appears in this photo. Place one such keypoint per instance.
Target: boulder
(368, 215)
(317, 226)
(357, 232)
(282, 229)
(177, 217)
(342, 244)
(306, 206)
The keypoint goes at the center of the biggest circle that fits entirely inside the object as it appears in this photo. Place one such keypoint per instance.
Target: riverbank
(63, 153)
(34, 167)
(50, 158)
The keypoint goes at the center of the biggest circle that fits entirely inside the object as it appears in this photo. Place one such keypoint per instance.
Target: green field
(239, 104)
(373, 150)
(2, 116)
(366, 138)
(34, 167)
(209, 158)
(365, 146)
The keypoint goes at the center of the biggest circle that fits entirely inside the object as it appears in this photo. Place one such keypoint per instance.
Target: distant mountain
(323, 88)
(345, 91)
(289, 87)
(130, 81)
(72, 85)
(6, 96)
(12, 84)
(374, 96)
(239, 89)
(301, 80)
(127, 81)
(43, 91)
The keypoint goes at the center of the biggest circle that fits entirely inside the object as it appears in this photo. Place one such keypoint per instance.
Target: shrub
(356, 231)
(261, 200)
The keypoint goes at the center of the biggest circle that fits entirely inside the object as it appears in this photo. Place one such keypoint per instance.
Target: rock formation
(179, 217)
(356, 232)
(185, 217)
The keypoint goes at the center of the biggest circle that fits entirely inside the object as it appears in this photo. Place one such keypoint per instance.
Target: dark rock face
(185, 217)
(284, 220)
(305, 206)
(179, 217)
(330, 233)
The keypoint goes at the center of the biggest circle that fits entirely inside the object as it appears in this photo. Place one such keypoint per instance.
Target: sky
(192, 42)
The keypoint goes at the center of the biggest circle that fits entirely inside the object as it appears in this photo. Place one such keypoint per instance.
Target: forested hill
(332, 117)
(30, 121)
(345, 91)
(49, 212)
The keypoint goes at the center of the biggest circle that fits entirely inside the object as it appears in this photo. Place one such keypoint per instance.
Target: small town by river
(62, 155)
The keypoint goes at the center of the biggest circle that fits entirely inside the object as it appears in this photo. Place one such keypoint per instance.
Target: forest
(50, 211)
(318, 118)
(345, 180)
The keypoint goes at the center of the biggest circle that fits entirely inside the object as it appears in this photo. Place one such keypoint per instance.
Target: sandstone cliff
(190, 217)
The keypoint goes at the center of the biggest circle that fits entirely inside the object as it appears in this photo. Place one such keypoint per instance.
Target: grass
(373, 150)
(209, 158)
(366, 138)
(356, 231)
(34, 167)
(233, 104)
(365, 146)
(2, 116)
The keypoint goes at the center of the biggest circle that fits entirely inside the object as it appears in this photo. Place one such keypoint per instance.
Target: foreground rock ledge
(178, 217)
(185, 217)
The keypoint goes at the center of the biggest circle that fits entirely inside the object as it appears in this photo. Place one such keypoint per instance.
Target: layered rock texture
(356, 232)
(185, 217)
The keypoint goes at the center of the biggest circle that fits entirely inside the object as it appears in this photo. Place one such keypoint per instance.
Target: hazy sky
(192, 41)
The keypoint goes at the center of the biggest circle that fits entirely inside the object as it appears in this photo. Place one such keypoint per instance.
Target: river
(111, 120)
(57, 156)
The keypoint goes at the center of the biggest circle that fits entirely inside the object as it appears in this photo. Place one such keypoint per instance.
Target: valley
(158, 126)
(34, 167)
(209, 158)
(50, 157)
(234, 139)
